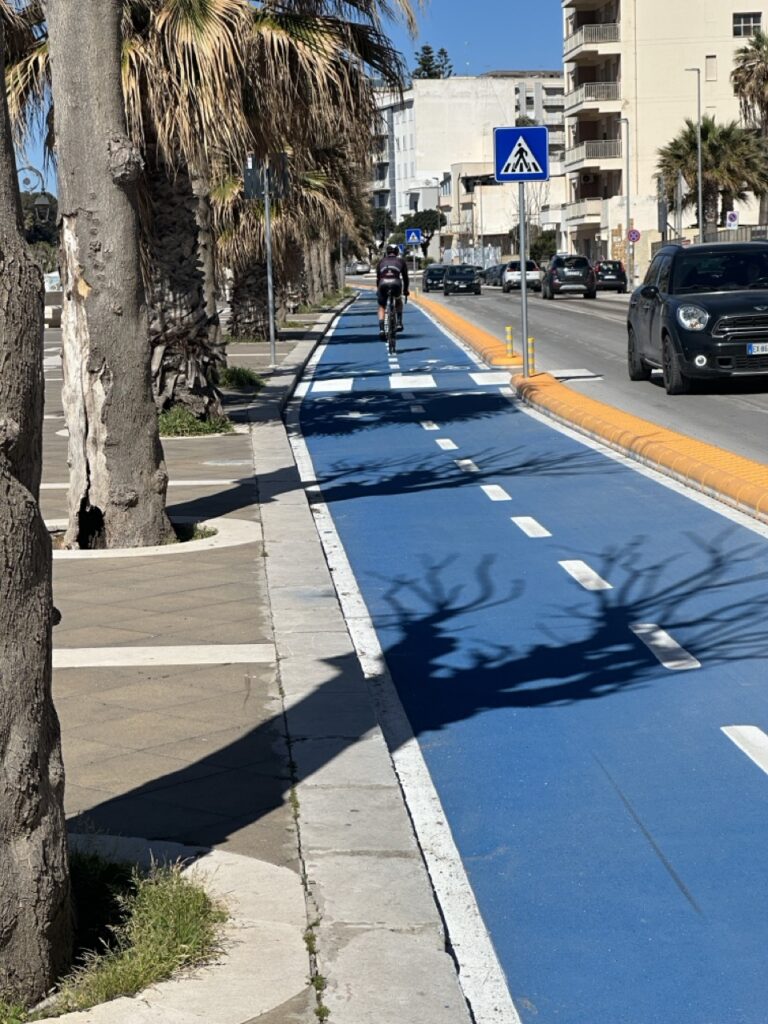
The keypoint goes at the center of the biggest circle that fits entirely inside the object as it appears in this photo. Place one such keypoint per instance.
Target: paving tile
(142, 730)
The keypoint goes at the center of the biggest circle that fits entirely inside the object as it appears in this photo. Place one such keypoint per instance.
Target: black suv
(610, 275)
(433, 277)
(701, 311)
(568, 275)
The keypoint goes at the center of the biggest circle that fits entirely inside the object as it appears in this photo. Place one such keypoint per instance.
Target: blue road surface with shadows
(614, 836)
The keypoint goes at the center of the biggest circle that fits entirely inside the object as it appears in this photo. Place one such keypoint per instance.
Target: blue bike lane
(569, 638)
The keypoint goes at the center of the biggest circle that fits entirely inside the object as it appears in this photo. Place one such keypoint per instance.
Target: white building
(437, 139)
(627, 68)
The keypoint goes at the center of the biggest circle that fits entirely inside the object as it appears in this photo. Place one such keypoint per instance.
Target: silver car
(511, 276)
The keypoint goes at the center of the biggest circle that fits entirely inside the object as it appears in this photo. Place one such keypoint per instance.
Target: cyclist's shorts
(391, 285)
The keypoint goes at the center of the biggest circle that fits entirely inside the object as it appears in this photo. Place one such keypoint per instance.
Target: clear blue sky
(486, 35)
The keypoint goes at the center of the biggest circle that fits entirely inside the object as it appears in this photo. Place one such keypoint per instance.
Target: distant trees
(429, 221)
(429, 65)
(749, 79)
(734, 162)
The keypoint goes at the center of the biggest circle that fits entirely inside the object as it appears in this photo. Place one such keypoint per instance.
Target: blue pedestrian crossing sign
(521, 154)
(413, 236)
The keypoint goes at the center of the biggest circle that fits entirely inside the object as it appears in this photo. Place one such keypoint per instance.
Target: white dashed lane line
(446, 444)
(417, 408)
(669, 652)
(530, 527)
(495, 492)
(466, 465)
(585, 575)
(429, 425)
(751, 741)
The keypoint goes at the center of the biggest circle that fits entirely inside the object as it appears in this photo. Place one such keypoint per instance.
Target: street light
(627, 190)
(42, 203)
(698, 151)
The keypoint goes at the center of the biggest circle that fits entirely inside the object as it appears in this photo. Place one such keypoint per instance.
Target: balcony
(602, 97)
(592, 39)
(586, 211)
(603, 155)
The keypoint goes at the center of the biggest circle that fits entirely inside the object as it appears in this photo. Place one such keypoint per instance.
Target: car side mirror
(650, 291)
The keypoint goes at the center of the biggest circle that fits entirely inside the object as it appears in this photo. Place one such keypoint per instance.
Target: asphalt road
(579, 334)
(580, 651)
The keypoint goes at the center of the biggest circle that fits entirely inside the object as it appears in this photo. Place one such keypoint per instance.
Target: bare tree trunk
(118, 479)
(249, 312)
(35, 921)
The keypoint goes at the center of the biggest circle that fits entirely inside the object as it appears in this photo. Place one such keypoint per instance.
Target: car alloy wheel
(675, 381)
(636, 368)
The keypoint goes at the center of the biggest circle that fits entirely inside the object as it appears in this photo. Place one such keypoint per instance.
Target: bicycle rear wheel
(391, 327)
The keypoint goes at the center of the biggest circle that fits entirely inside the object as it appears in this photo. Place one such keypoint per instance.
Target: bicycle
(390, 322)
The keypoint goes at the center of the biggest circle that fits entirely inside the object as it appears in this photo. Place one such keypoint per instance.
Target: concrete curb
(487, 345)
(732, 479)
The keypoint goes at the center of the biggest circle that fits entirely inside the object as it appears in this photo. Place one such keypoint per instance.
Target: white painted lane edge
(530, 526)
(466, 465)
(664, 647)
(585, 575)
(398, 381)
(495, 492)
(481, 976)
(446, 444)
(335, 384)
(751, 741)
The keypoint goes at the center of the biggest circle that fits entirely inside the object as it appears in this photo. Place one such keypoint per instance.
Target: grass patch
(178, 421)
(240, 377)
(133, 930)
(192, 531)
(331, 299)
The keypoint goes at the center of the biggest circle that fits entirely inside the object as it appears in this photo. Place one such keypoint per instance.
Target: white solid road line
(398, 381)
(337, 384)
(492, 377)
(446, 444)
(751, 740)
(585, 575)
(495, 492)
(429, 425)
(466, 465)
(664, 647)
(530, 527)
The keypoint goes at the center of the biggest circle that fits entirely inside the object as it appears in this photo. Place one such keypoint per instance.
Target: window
(746, 24)
(653, 270)
(664, 274)
(710, 67)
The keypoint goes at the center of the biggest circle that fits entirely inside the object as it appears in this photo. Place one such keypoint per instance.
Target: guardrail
(593, 92)
(607, 33)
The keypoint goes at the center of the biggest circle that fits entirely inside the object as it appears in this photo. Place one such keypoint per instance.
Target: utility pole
(698, 151)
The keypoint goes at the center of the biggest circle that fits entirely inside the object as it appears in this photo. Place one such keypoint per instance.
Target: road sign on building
(413, 236)
(521, 154)
(732, 219)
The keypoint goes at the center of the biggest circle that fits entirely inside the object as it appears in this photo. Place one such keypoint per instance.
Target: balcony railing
(591, 34)
(594, 152)
(587, 208)
(594, 92)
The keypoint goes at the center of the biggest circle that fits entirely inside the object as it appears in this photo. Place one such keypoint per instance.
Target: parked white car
(510, 277)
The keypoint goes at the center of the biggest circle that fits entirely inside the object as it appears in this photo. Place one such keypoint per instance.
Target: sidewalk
(210, 696)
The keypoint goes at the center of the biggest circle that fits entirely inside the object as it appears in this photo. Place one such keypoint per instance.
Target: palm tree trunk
(117, 475)
(185, 358)
(35, 918)
(249, 310)
(207, 256)
(763, 212)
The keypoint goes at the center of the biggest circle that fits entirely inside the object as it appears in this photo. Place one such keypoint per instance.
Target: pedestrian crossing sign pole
(521, 155)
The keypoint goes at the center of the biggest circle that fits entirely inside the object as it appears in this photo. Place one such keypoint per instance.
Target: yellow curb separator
(733, 479)
(492, 349)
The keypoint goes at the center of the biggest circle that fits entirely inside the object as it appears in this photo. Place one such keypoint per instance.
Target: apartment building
(627, 78)
(439, 126)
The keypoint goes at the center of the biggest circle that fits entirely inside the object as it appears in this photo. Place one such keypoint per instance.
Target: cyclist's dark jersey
(393, 267)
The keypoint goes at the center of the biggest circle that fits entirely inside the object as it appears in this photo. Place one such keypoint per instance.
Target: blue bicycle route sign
(521, 154)
(413, 236)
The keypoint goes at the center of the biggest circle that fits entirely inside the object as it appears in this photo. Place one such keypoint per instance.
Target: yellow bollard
(531, 356)
(510, 349)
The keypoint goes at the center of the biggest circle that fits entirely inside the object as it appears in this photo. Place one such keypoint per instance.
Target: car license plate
(610, 277)
(462, 286)
(572, 273)
(757, 348)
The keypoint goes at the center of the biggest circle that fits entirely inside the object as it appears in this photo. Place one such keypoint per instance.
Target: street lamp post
(42, 204)
(698, 151)
(628, 215)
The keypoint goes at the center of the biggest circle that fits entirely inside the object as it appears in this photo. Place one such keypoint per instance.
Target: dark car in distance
(568, 275)
(462, 278)
(432, 278)
(610, 275)
(493, 274)
(701, 312)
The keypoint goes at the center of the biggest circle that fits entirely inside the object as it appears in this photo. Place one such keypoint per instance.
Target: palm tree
(734, 162)
(750, 83)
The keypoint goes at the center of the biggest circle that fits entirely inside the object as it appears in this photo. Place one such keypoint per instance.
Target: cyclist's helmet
(393, 250)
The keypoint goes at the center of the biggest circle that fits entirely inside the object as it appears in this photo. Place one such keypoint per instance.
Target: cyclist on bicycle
(391, 276)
